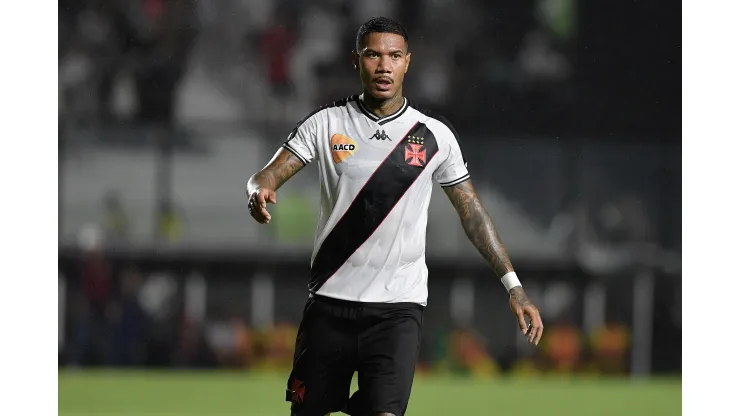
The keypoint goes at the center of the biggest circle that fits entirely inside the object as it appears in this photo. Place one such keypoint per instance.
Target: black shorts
(336, 338)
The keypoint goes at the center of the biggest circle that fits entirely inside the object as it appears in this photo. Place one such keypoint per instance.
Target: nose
(384, 66)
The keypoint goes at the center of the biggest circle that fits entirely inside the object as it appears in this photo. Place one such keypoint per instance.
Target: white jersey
(376, 176)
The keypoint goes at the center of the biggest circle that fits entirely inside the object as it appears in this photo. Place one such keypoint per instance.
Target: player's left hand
(522, 306)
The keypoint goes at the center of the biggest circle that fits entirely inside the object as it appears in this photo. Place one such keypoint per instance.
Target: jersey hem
(350, 299)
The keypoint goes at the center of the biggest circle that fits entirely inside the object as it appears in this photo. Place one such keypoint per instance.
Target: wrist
(252, 186)
(255, 185)
(510, 281)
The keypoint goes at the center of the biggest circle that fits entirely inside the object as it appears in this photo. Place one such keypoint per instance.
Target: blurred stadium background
(172, 300)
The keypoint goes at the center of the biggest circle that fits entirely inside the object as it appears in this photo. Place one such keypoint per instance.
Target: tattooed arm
(262, 186)
(481, 232)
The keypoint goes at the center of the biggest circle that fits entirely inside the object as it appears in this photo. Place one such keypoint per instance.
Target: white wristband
(510, 281)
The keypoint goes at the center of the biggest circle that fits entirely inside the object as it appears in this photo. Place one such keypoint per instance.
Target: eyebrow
(366, 50)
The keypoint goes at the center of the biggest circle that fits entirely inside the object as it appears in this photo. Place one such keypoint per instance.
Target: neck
(382, 108)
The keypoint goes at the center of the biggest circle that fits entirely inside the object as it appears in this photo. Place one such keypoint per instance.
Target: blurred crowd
(121, 318)
(277, 59)
(100, 40)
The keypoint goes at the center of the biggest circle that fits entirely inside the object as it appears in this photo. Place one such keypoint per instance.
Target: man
(378, 156)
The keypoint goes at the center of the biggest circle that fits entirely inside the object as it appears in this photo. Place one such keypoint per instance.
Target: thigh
(388, 352)
(324, 361)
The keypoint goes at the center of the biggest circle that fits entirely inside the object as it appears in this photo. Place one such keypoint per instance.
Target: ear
(408, 61)
(356, 60)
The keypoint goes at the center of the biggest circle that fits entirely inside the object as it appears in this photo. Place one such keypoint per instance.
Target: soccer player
(378, 156)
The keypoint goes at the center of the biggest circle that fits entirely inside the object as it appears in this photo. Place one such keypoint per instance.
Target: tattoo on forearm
(479, 227)
(281, 168)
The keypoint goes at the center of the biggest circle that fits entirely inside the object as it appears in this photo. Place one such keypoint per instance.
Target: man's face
(383, 61)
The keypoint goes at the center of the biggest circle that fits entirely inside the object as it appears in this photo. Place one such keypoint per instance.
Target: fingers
(260, 199)
(541, 328)
(532, 334)
(536, 328)
(265, 215)
(259, 214)
(258, 206)
(522, 321)
(271, 197)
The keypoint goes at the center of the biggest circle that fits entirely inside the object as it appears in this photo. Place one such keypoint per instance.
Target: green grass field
(114, 393)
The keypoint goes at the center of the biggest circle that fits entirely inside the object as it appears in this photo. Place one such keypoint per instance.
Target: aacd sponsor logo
(342, 147)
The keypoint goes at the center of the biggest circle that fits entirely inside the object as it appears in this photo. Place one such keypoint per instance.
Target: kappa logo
(342, 147)
(380, 135)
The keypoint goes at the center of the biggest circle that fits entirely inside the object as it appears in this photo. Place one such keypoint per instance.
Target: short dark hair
(380, 25)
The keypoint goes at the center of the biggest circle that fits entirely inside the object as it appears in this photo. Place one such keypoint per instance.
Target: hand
(258, 204)
(521, 306)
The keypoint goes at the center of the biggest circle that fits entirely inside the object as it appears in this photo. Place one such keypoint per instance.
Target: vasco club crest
(415, 154)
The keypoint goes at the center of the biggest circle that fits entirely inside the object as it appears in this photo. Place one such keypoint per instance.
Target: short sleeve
(453, 169)
(302, 140)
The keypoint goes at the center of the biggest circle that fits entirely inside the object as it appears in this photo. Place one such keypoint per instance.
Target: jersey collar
(381, 120)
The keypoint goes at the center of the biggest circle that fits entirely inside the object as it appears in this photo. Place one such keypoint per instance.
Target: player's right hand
(258, 204)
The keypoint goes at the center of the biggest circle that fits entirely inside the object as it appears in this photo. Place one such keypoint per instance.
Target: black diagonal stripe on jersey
(382, 191)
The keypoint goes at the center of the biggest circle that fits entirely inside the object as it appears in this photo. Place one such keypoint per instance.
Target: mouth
(383, 84)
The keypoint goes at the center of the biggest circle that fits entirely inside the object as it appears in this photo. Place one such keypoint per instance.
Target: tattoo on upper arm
(479, 227)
